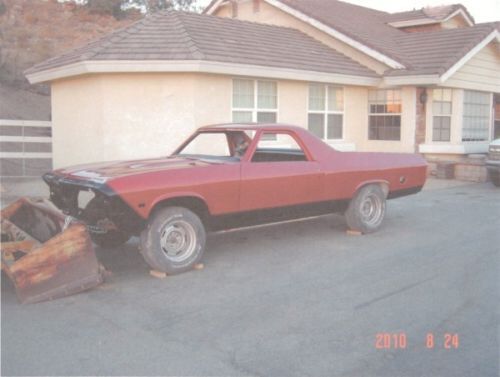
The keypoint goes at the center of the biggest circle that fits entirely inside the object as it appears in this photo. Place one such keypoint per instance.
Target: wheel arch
(193, 202)
(384, 185)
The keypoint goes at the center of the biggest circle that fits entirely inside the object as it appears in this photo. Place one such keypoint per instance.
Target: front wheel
(366, 210)
(174, 240)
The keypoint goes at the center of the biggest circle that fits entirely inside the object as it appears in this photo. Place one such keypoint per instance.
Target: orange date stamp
(395, 341)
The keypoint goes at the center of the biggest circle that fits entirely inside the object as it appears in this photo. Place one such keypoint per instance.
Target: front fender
(173, 195)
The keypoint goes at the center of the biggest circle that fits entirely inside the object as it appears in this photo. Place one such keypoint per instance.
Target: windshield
(218, 144)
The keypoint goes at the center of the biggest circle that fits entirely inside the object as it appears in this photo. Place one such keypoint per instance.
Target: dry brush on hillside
(34, 30)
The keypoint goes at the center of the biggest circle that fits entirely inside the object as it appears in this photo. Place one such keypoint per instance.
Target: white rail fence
(25, 148)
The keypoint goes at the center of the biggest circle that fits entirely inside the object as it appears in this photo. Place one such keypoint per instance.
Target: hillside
(34, 30)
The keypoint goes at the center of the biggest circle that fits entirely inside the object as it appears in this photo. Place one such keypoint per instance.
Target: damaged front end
(46, 246)
(110, 221)
(46, 254)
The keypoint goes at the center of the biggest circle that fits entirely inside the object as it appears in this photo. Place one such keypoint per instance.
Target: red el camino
(227, 176)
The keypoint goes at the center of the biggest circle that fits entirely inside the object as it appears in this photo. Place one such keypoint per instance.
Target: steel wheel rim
(178, 240)
(371, 209)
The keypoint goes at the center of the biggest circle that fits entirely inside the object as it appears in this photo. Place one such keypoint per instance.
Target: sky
(481, 10)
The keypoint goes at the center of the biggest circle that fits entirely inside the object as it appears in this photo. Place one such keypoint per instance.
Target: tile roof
(420, 53)
(435, 52)
(172, 35)
(365, 25)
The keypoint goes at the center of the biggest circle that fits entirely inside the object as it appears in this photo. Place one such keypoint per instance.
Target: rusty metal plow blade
(45, 253)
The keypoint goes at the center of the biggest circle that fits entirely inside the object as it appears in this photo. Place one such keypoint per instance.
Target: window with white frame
(384, 114)
(441, 114)
(255, 101)
(476, 116)
(326, 111)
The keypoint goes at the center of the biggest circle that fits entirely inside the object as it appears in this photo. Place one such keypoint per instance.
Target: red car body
(227, 187)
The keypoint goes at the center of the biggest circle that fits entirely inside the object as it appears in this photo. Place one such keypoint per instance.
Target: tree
(151, 6)
(109, 7)
(117, 8)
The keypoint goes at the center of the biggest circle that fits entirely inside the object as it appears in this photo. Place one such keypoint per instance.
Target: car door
(279, 173)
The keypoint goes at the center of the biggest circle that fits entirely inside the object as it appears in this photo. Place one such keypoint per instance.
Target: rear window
(278, 147)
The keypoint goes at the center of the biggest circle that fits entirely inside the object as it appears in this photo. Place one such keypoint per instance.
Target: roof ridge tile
(193, 48)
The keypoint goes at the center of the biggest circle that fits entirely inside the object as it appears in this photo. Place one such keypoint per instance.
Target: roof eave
(425, 79)
(416, 22)
(196, 66)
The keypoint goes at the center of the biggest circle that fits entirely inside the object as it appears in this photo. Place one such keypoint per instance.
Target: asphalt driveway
(295, 299)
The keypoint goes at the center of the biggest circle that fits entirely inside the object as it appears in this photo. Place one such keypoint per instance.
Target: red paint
(230, 187)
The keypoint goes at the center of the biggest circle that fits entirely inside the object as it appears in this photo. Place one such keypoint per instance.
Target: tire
(495, 178)
(112, 238)
(174, 240)
(366, 210)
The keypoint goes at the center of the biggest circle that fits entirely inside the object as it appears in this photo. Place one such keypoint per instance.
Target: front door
(279, 174)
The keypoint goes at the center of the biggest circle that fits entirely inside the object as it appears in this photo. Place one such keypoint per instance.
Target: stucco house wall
(123, 116)
(120, 116)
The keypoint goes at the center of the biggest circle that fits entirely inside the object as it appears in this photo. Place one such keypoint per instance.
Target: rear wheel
(174, 240)
(101, 228)
(366, 210)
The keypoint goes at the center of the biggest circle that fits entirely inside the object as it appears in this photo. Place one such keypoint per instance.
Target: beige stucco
(126, 116)
(481, 72)
(271, 15)
(120, 116)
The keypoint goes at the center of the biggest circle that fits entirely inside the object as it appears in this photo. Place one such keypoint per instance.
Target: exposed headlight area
(72, 195)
